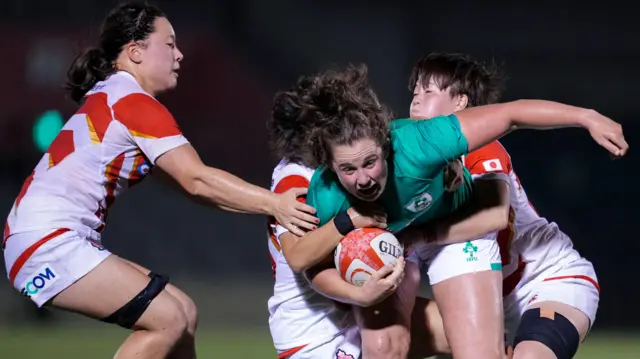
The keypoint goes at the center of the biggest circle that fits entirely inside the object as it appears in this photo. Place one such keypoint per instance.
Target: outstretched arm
(228, 192)
(484, 124)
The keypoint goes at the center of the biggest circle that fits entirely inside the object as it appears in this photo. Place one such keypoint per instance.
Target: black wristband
(343, 223)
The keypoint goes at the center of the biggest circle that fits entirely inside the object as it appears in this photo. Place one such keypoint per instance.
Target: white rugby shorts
(443, 262)
(41, 264)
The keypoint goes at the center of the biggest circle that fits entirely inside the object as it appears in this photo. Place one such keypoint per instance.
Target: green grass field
(61, 342)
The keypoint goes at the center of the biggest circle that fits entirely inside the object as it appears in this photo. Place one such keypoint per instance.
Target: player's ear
(462, 102)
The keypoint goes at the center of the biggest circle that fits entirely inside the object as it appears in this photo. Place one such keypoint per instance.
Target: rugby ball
(364, 251)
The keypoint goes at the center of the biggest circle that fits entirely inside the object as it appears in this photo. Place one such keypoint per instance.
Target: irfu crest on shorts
(470, 249)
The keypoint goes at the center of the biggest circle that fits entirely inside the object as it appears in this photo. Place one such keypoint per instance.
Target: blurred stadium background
(238, 53)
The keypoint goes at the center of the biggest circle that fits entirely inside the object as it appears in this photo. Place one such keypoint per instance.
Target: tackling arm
(488, 212)
(228, 192)
(484, 124)
(218, 187)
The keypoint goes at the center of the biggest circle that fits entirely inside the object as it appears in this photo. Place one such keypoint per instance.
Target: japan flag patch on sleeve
(493, 165)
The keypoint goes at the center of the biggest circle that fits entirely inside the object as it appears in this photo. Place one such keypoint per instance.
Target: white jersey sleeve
(109, 145)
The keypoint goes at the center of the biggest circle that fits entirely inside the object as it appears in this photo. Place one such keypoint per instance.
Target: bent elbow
(194, 184)
(194, 187)
(299, 262)
(298, 266)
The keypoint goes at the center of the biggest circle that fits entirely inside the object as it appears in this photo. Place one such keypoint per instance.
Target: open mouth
(369, 192)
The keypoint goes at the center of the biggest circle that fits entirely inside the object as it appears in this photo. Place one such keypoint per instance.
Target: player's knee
(540, 327)
(153, 310)
(532, 350)
(191, 314)
(173, 323)
(387, 345)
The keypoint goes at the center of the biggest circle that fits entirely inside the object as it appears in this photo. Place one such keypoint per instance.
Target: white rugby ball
(364, 251)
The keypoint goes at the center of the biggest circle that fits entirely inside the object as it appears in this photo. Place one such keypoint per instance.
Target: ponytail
(86, 70)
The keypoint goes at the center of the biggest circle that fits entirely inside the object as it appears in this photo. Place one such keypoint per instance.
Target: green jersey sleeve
(431, 143)
(326, 195)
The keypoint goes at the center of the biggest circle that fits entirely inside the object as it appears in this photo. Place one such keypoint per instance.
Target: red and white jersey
(298, 315)
(529, 244)
(110, 144)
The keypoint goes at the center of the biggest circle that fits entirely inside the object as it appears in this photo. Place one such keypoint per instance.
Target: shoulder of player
(287, 175)
(143, 115)
(117, 87)
(492, 150)
(408, 127)
(490, 158)
(325, 185)
(326, 194)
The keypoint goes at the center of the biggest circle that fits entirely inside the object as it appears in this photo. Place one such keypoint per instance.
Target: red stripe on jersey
(492, 158)
(145, 117)
(285, 184)
(112, 174)
(6, 233)
(289, 182)
(292, 181)
(511, 281)
(97, 110)
(272, 235)
(25, 187)
(138, 171)
(273, 265)
(287, 353)
(61, 147)
(583, 277)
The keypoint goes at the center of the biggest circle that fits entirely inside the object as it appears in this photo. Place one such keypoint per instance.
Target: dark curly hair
(462, 75)
(337, 106)
(130, 21)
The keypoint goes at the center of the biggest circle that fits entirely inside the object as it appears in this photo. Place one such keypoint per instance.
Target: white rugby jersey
(529, 241)
(298, 315)
(108, 145)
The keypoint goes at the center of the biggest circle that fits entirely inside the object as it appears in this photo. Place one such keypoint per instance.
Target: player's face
(361, 168)
(160, 58)
(430, 101)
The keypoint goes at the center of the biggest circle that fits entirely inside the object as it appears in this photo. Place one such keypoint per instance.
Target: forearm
(540, 114)
(228, 192)
(327, 281)
(488, 212)
(474, 224)
(484, 124)
(312, 248)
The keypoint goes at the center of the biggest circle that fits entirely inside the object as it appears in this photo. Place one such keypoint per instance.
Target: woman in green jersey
(400, 165)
